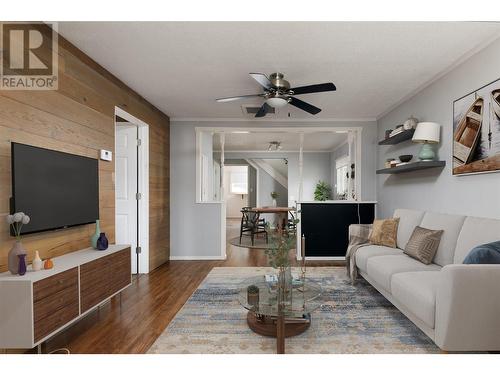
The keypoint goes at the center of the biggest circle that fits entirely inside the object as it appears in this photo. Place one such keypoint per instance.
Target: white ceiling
(182, 67)
(259, 141)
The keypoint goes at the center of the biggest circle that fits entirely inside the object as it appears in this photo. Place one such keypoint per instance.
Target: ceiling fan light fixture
(277, 102)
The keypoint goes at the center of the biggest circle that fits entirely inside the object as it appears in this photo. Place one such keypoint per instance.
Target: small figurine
(48, 264)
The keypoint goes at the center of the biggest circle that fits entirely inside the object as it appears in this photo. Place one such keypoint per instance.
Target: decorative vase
(102, 242)
(275, 203)
(48, 264)
(426, 153)
(13, 260)
(37, 263)
(95, 236)
(22, 264)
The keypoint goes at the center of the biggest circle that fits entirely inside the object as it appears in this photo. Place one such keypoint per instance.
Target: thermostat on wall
(106, 155)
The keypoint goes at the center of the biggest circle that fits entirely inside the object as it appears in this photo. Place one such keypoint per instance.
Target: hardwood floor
(131, 323)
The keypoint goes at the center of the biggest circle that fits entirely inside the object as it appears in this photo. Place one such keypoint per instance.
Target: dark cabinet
(326, 226)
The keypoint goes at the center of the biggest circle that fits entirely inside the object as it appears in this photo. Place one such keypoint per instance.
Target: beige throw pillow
(384, 232)
(423, 244)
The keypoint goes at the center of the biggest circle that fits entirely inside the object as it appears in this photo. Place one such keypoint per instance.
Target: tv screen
(56, 189)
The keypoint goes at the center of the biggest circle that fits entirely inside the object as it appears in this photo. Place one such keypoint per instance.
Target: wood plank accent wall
(79, 118)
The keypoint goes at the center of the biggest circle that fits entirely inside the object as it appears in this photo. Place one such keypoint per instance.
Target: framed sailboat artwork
(476, 131)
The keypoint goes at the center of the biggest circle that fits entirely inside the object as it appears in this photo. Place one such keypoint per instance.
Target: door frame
(143, 186)
(301, 131)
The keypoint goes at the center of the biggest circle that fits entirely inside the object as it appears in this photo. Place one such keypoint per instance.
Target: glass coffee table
(267, 318)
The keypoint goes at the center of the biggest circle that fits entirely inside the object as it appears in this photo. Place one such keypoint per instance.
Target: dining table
(281, 212)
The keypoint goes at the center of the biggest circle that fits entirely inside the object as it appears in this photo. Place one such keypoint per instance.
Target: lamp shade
(426, 132)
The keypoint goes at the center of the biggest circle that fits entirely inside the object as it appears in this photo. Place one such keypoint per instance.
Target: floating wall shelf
(398, 138)
(418, 165)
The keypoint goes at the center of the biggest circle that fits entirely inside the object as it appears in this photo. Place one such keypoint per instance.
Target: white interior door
(126, 189)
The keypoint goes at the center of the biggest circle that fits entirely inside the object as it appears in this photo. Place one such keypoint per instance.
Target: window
(238, 180)
(342, 182)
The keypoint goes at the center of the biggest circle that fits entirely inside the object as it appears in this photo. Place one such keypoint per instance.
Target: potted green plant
(253, 295)
(323, 191)
(274, 196)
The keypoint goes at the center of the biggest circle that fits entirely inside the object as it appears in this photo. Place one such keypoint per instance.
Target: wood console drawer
(53, 284)
(50, 323)
(103, 277)
(51, 304)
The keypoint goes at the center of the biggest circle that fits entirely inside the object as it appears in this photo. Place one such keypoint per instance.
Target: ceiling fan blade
(232, 98)
(322, 87)
(263, 110)
(304, 106)
(262, 80)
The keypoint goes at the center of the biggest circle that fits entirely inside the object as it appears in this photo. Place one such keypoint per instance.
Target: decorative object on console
(476, 131)
(22, 264)
(16, 221)
(423, 244)
(102, 242)
(37, 263)
(95, 236)
(411, 123)
(427, 133)
(388, 133)
(323, 191)
(384, 232)
(488, 253)
(274, 196)
(405, 158)
(48, 264)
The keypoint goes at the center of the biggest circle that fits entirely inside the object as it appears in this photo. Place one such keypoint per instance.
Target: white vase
(275, 204)
(37, 263)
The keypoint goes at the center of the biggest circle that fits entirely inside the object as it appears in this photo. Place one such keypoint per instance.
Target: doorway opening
(132, 188)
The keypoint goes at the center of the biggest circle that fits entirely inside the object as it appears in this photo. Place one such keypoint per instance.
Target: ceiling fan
(277, 93)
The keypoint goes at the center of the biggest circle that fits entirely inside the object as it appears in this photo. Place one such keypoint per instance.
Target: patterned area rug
(352, 319)
(246, 241)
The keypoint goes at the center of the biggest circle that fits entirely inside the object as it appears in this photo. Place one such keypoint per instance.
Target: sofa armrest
(468, 307)
(356, 229)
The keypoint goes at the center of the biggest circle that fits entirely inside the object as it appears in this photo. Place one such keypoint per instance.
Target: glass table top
(302, 299)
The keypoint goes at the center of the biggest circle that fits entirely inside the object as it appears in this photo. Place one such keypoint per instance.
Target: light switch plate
(106, 155)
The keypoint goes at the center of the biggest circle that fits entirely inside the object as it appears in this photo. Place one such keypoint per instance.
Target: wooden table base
(268, 326)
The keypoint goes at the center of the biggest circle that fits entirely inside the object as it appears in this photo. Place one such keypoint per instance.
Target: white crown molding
(466, 56)
(237, 119)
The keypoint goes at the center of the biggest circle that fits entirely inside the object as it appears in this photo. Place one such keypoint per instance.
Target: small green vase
(426, 153)
(95, 236)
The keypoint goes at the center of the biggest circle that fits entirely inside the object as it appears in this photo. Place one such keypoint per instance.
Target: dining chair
(252, 224)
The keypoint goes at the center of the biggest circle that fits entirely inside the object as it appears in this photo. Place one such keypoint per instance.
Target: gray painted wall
(205, 217)
(438, 190)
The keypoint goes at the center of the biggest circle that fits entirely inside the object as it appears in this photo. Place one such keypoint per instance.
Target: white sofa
(457, 305)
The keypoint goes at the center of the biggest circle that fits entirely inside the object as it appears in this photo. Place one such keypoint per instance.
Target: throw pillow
(488, 253)
(423, 244)
(384, 232)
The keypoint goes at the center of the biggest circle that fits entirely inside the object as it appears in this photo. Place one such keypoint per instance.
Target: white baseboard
(197, 257)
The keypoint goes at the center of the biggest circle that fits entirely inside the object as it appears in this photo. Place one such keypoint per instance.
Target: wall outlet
(106, 155)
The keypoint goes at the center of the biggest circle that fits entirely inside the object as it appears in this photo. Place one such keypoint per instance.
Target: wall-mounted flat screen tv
(56, 189)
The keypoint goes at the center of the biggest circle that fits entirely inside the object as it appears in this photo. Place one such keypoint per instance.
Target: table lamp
(426, 133)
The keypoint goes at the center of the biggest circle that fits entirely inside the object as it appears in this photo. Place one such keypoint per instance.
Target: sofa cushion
(366, 252)
(423, 244)
(451, 225)
(417, 292)
(488, 253)
(408, 220)
(381, 268)
(384, 232)
(475, 231)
